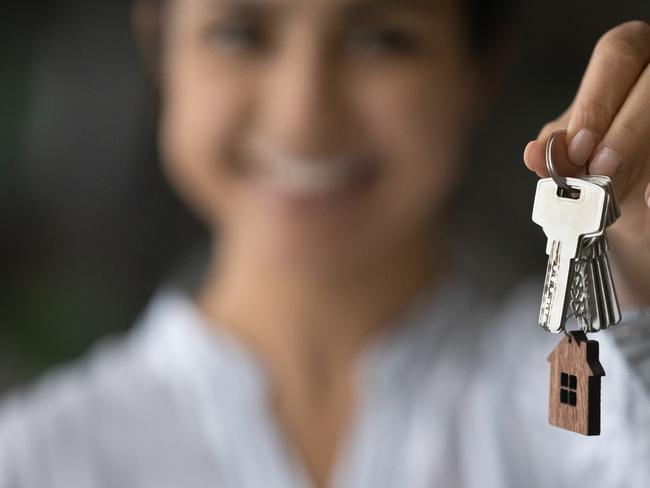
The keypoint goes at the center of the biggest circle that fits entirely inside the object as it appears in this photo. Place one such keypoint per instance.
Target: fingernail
(606, 162)
(581, 146)
(648, 202)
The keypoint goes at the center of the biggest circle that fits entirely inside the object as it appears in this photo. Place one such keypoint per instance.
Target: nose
(301, 107)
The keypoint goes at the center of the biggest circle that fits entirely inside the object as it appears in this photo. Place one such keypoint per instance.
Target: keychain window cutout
(568, 393)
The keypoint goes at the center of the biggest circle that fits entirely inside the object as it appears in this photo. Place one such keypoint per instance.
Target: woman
(332, 342)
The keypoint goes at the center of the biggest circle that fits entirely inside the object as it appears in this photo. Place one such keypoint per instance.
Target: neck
(305, 329)
(309, 330)
(308, 323)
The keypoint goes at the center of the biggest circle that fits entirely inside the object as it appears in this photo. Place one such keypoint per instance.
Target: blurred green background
(89, 228)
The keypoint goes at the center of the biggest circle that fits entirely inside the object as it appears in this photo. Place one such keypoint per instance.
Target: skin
(307, 284)
(325, 277)
(612, 103)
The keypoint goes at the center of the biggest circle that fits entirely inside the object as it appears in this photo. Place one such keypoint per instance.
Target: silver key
(606, 182)
(586, 296)
(592, 297)
(583, 298)
(607, 289)
(566, 221)
(586, 302)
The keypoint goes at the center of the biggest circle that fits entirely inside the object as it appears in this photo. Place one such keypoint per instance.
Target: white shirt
(455, 394)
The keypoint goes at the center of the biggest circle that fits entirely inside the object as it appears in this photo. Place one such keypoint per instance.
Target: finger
(624, 148)
(623, 53)
(535, 152)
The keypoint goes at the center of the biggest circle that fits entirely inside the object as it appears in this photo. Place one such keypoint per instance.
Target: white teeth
(311, 177)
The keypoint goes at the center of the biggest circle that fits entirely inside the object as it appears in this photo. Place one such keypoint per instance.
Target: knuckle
(631, 131)
(547, 129)
(628, 42)
(593, 112)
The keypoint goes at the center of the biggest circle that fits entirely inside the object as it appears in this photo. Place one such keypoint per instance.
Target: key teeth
(550, 291)
(553, 331)
(593, 301)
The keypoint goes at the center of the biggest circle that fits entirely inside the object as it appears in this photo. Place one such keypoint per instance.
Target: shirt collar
(183, 345)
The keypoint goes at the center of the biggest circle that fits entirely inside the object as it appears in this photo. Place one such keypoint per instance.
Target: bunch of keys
(575, 213)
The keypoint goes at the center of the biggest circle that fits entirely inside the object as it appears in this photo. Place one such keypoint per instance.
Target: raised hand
(608, 133)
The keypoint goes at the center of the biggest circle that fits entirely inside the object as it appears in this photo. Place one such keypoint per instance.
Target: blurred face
(315, 132)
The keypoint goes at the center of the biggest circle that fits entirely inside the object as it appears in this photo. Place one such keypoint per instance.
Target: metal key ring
(559, 181)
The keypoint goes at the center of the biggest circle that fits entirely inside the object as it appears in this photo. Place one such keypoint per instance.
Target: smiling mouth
(315, 177)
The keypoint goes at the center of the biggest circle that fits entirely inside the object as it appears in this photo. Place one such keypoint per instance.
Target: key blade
(552, 314)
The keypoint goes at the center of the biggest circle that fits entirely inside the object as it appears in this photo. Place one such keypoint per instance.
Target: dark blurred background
(88, 226)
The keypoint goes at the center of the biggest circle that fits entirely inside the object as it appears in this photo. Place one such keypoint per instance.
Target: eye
(238, 34)
(383, 40)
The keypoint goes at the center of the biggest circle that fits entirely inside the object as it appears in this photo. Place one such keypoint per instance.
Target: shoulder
(133, 411)
(51, 419)
(76, 414)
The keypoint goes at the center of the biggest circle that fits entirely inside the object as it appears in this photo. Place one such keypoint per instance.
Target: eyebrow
(352, 7)
(365, 5)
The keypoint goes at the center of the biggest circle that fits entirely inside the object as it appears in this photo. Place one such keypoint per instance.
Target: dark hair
(488, 22)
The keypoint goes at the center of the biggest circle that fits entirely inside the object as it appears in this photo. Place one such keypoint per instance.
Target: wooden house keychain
(574, 213)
